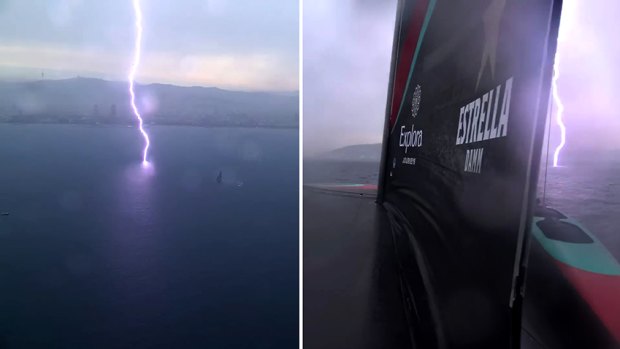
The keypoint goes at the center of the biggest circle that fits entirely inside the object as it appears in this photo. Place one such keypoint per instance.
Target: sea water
(101, 251)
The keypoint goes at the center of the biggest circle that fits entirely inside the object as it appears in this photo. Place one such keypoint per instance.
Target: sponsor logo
(412, 138)
(485, 118)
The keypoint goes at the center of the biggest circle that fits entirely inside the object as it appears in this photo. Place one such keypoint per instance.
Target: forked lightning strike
(132, 76)
(559, 111)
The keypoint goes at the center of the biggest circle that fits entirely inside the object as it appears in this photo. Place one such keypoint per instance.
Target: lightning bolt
(132, 76)
(559, 110)
(568, 8)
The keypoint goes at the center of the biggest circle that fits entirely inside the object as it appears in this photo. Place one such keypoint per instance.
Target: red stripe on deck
(601, 292)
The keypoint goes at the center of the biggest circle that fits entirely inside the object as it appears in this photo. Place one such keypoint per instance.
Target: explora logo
(413, 138)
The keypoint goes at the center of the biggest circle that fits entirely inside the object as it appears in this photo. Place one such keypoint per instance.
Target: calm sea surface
(100, 252)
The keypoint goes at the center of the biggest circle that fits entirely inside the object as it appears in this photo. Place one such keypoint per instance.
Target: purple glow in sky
(559, 110)
(132, 75)
(565, 24)
(347, 46)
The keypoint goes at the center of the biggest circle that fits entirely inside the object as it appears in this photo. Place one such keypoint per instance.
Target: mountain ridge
(356, 152)
(98, 101)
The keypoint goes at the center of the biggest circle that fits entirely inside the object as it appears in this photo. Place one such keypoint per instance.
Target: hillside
(92, 101)
(358, 152)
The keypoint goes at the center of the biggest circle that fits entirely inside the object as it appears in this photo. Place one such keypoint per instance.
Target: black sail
(466, 109)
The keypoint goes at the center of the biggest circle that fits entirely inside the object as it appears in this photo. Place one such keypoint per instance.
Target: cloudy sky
(347, 47)
(588, 84)
(240, 44)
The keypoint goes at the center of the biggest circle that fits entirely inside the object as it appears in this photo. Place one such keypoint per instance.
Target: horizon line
(18, 80)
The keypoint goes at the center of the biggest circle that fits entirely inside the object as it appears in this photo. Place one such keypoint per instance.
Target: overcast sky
(589, 71)
(240, 44)
(347, 47)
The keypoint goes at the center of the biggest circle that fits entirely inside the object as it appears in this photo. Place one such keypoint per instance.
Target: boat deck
(352, 296)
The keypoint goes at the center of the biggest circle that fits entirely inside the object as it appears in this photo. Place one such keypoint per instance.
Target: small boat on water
(4, 213)
(219, 178)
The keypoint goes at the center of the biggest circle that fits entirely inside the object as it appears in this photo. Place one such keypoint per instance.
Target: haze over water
(99, 251)
(585, 187)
